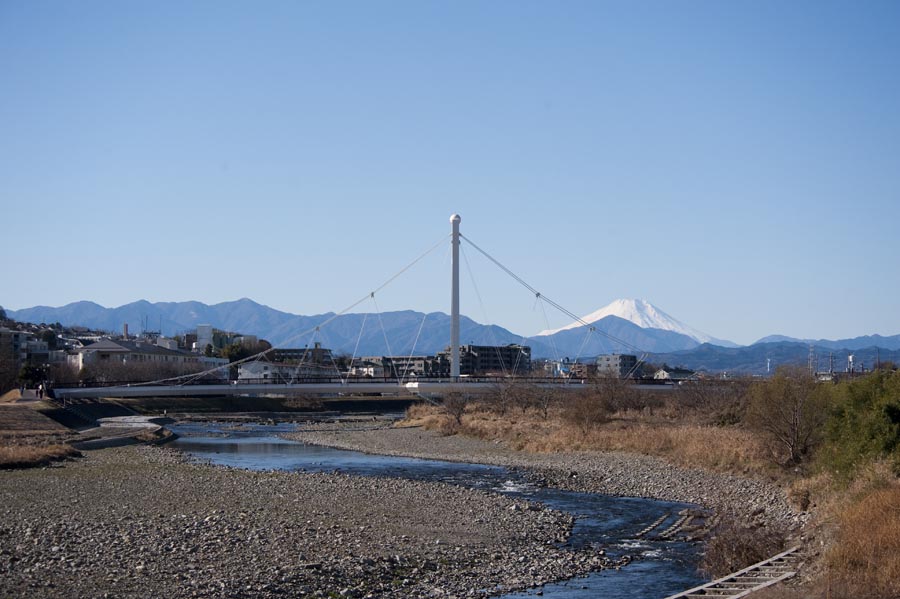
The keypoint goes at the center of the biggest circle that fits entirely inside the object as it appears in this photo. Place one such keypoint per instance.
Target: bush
(788, 412)
(716, 402)
(455, 406)
(863, 425)
(734, 546)
(586, 410)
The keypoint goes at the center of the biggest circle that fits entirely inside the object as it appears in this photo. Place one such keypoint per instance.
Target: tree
(714, 401)
(50, 338)
(455, 406)
(586, 410)
(789, 411)
(544, 398)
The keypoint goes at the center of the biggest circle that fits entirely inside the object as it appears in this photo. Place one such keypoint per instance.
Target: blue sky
(735, 163)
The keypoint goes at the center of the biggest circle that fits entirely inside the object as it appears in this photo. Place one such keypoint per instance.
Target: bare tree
(586, 409)
(618, 394)
(455, 406)
(544, 398)
(712, 401)
(789, 411)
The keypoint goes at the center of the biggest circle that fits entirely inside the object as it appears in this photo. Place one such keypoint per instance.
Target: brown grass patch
(714, 448)
(864, 561)
(724, 449)
(27, 456)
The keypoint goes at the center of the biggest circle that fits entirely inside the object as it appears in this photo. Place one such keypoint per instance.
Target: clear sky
(735, 163)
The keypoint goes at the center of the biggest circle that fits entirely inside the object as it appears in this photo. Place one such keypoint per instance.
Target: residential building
(675, 374)
(367, 368)
(616, 365)
(204, 337)
(24, 346)
(316, 355)
(279, 372)
(495, 360)
(139, 352)
(289, 365)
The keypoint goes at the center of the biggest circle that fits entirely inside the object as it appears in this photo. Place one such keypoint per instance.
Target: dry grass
(26, 456)
(723, 449)
(28, 438)
(864, 561)
(714, 448)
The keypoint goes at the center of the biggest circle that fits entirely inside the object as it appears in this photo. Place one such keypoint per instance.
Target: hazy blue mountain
(892, 342)
(753, 359)
(343, 333)
(367, 334)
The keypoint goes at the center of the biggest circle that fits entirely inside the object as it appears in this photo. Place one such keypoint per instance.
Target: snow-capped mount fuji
(644, 315)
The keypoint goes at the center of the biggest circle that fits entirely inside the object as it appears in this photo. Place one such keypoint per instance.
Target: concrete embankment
(120, 431)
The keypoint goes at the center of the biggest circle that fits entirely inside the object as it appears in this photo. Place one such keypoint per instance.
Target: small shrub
(736, 545)
(586, 411)
(455, 406)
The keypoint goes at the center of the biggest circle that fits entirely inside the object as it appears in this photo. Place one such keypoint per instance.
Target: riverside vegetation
(833, 448)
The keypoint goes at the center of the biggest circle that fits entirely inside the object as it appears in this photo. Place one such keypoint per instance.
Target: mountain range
(626, 325)
(623, 326)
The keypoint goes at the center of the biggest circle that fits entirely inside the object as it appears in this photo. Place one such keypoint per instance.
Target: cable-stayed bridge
(342, 383)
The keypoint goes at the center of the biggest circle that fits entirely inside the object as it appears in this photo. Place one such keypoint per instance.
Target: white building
(675, 374)
(204, 337)
(138, 352)
(276, 372)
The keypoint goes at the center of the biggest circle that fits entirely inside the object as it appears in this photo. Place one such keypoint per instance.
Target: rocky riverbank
(143, 522)
(610, 473)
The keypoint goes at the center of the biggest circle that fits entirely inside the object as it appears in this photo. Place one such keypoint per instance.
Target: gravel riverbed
(144, 522)
(610, 473)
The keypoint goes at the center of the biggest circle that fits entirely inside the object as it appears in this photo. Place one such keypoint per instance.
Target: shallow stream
(660, 567)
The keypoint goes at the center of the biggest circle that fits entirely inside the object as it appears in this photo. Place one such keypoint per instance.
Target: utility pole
(454, 298)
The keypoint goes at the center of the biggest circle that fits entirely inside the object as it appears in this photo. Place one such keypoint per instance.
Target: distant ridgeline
(674, 343)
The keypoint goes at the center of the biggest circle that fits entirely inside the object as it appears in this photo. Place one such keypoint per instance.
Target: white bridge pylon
(454, 297)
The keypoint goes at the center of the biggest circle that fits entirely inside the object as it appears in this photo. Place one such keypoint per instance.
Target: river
(660, 566)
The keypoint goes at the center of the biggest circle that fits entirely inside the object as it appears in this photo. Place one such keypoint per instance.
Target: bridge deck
(331, 387)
